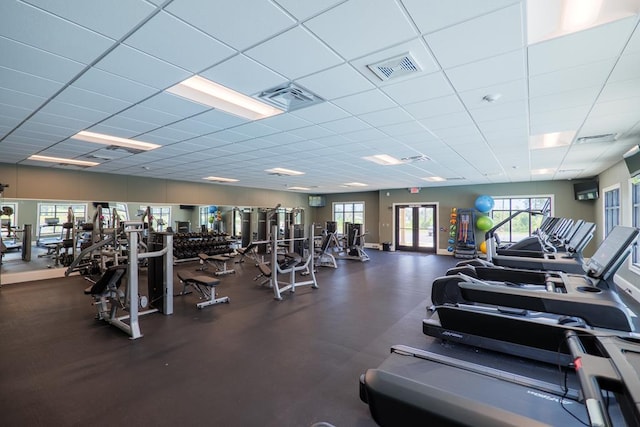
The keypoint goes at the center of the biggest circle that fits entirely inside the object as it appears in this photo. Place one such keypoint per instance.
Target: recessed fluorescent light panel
(551, 140)
(355, 184)
(203, 91)
(100, 138)
(547, 19)
(434, 179)
(283, 171)
(384, 159)
(542, 171)
(300, 188)
(220, 179)
(62, 161)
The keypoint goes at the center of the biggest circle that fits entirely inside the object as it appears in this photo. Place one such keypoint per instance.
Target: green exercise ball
(484, 223)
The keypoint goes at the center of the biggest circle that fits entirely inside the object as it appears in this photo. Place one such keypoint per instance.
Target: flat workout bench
(204, 285)
(219, 262)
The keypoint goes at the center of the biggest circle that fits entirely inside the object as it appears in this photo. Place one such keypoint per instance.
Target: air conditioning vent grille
(395, 67)
(289, 97)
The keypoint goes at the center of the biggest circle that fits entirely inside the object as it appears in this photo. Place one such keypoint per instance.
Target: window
(203, 215)
(160, 212)
(9, 222)
(121, 209)
(60, 211)
(522, 225)
(635, 217)
(352, 212)
(611, 209)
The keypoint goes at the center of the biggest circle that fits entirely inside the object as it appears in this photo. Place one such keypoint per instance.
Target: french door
(416, 228)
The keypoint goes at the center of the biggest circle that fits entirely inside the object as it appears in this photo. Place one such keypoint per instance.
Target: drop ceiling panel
(558, 120)
(434, 107)
(135, 126)
(419, 89)
(140, 67)
(364, 135)
(108, 84)
(73, 112)
(22, 23)
(304, 10)
(173, 41)
(75, 96)
(190, 125)
(350, 124)
(620, 90)
(566, 79)
(506, 93)
(27, 59)
(488, 72)
(260, 20)
(564, 100)
(255, 129)
(627, 68)
(353, 28)
(587, 46)
(284, 122)
(68, 122)
(148, 115)
(112, 19)
(321, 113)
(280, 54)
(218, 118)
(312, 132)
(470, 41)
(336, 82)
(27, 83)
(432, 15)
(43, 132)
(365, 102)
(253, 79)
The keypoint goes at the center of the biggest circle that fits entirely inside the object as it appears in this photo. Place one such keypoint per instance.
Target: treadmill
(569, 261)
(530, 320)
(414, 387)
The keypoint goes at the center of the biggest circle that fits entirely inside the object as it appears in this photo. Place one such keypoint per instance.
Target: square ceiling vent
(289, 97)
(395, 67)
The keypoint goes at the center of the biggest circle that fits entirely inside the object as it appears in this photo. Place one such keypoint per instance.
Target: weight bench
(106, 293)
(290, 260)
(204, 285)
(218, 261)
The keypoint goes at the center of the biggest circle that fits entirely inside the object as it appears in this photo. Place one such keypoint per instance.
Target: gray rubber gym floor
(253, 362)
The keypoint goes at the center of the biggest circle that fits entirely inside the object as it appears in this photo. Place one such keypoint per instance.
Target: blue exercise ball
(485, 203)
(213, 209)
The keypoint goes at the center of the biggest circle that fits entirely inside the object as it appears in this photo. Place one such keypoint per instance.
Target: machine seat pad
(111, 277)
(200, 280)
(205, 257)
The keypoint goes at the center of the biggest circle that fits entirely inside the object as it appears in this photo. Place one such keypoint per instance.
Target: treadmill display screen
(611, 251)
(580, 234)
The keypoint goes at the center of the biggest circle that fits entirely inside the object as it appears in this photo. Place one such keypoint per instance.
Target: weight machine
(108, 298)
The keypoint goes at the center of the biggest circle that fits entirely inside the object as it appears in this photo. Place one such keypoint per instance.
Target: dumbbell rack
(187, 246)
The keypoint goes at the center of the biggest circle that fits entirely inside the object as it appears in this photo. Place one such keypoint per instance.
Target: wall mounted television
(317, 201)
(632, 160)
(586, 190)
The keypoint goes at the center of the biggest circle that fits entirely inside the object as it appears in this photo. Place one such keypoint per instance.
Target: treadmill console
(611, 252)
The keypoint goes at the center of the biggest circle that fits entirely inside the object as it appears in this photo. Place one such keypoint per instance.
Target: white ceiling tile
(386, 117)
(253, 78)
(336, 82)
(16, 114)
(311, 132)
(444, 121)
(123, 122)
(558, 120)
(260, 20)
(75, 96)
(255, 129)
(431, 15)
(282, 54)
(321, 113)
(500, 111)
(563, 100)
(302, 10)
(365, 102)
(82, 118)
(488, 72)
(419, 89)
(400, 129)
(228, 136)
(113, 18)
(364, 135)
(285, 122)
(172, 40)
(581, 76)
(627, 68)
(470, 41)
(350, 124)
(148, 115)
(218, 119)
(435, 107)
(45, 131)
(27, 83)
(354, 28)
(108, 84)
(20, 99)
(585, 47)
(506, 93)
(21, 22)
(30, 60)
(620, 90)
(190, 125)
(140, 67)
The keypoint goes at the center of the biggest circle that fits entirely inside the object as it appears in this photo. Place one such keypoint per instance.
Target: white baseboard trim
(30, 276)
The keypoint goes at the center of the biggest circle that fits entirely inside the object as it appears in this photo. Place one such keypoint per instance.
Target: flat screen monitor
(632, 160)
(587, 190)
(317, 201)
(611, 252)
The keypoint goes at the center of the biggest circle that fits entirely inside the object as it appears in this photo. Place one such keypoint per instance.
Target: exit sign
(414, 190)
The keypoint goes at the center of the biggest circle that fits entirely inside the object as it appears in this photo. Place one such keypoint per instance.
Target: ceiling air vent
(413, 159)
(395, 67)
(289, 97)
(607, 137)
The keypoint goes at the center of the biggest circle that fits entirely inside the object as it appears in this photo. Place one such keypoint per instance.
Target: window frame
(340, 224)
(511, 210)
(607, 210)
